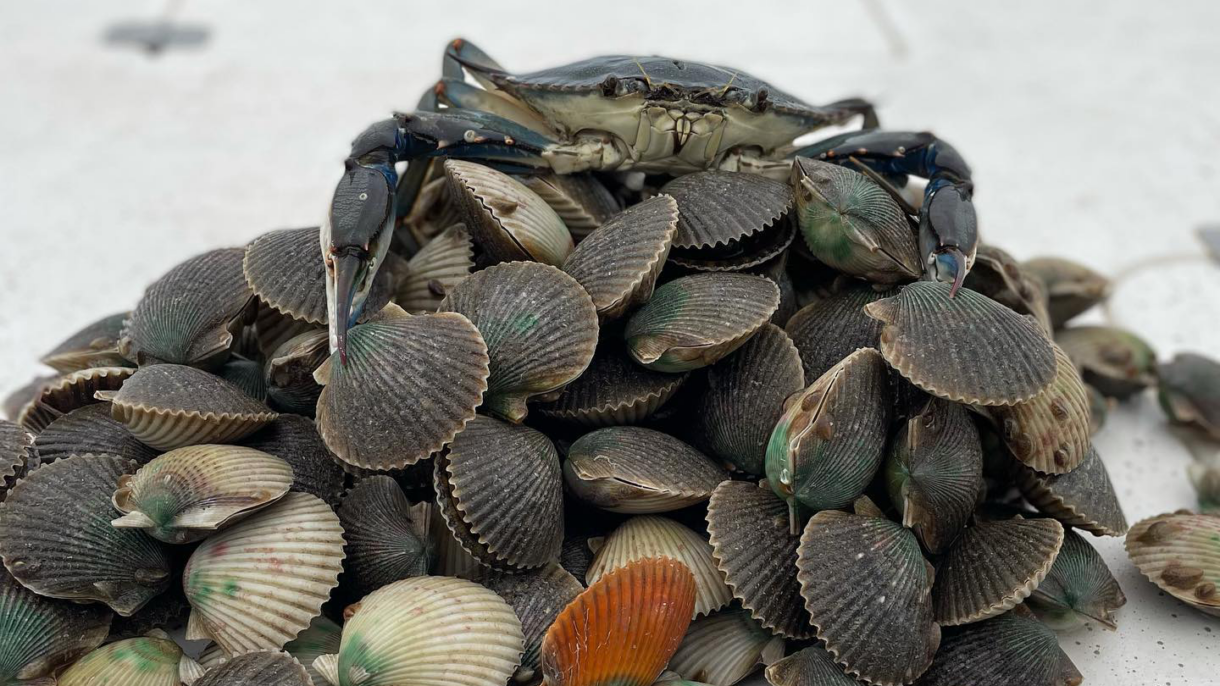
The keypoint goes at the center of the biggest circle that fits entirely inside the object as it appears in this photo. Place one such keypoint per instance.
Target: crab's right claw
(948, 233)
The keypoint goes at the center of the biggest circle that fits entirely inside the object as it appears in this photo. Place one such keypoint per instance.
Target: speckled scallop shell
(723, 648)
(96, 345)
(70, 392)
(650, 536)
(830, 441)
(15, 451)
(506, 219)
(1114, 361)
(168, 406)
(614, 390)
(288, 374)
(1083, 498)
(966, 348)
(296, 441)
(618, 264)
(323, 637)
(1179, 553)
(264, 668)
(935, 472)
(257, 584)
(827, 330)
(384, 544)
(187, 493)
(42, 635)
(999, 276)
(1071, 288)
(745, 398)
(637, 470)
(540, 326)
(56, 537)
(1013, 649)
(537, 596)
(1189, 391)
(811, 666)
(868, 591)
(1078, 587)
(580, 200)
(428, 631)
(623, 629)
(418, 379)
(501, 491)
(993, 566)
(435, 270)
(144, 661)
(189, 315)
(718, 208)
(693, 321)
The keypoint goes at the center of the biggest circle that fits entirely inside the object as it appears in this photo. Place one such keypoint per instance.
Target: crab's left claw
(948, 233)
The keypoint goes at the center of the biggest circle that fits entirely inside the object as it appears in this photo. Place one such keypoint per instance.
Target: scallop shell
(935, 473)
(811, 666)
(650, 536)
(186, 494)
(264, 668)
(16, 401)
(999, 276)
(777, 270)
(868, 590)
(1083, 498)
(271, 328)
(323, 637)
(745, 398)
(693, 321)
(41, 635)
(418, 379)
(1010, 650)
(506, 490)
(384, 545)
(246, 375)
(993, 566)
(289, 372)
(167, 612)
(1078, 587)
(830, 441)
(506, 219)
(1071, 288)
(257, 584)
(618, 264)
(827, 330)
(429, 631)
(613, 390)
(296, 441)
(576, 557)
(623, 629)
(719, 207)
(56, 538)
(96, 345)
(537, 596)
(1178, 552)
(748, 253)
(1189, 391)
(540, 326)
(966, 348)
(168, 406)
(580, 200)
(723, 648)
(1114, 361)
(70, 392)
(435, 270)
(189, 315)
(144, 661)
(15, 452)
(637, 470)
(451, 558)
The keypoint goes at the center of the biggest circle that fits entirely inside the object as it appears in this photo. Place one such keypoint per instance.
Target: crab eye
(610, 86)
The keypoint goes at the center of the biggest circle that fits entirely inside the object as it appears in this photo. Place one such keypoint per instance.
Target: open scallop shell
(1078, 587)
(271, 328)
(966, 348)
(693, 321)
(1189, 390)
(264, 668)
(186, 494)
(295, 440)
(15, 453)
(56, 537)
(1071, 288)
(96, 345)
(649, 536)
(168, 406)
(1083, 498)
(999, 276)
(384, 544)
(618, 264)
(1013, 649)
(19, 399)
(749, 253)
(868, 590)
(289, 372)
(745, 398)
(614, 390)
(428, 631)
(507, 220)
(1114, 361)
(993, 566)
(811, 666)
(73, 391)
(257, 584)
(418, 379)
(1179, 553)
(144, 661)
(537, 596)
(718, 208)
(190, 315)
(723, 648)
(323, 637)
(435, 270)
(827, 330)
(580, 200)
(42, 635)
(501, 492)
(451, 558)
(637, 470)
(623, 629)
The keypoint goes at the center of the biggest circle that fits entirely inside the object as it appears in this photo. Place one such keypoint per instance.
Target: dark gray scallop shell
(41, 635)
(1078, 587)
(811, 666)
(67, 393)
(999, 276)
(96, 345)
(1083, 498)
(384, 545)
(289, 372)
(247, 375)
(265, 668)
(89, 430)
(613, 390)
(829, 329)
(537, 596)
(717, 208)
(17, 401)
(1013, 649)
(294, 439)
(15, 454)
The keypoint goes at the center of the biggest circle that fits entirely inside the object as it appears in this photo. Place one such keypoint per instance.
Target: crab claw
(349, 270)
(948, 265)
(948, 232)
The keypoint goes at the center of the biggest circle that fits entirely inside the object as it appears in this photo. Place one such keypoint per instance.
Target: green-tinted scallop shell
(144, 661)
(96, 345)
(323, 637)
(1078, 587)
(1114, 361)
(40, 635)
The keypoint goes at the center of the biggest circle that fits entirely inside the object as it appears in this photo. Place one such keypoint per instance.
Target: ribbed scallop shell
(56, 537)
(271, 328)
(1013, 649)
(1050, 433)
(417, 379)
(264, 668)
(1079, 586)
(1115, 361)
(507, 492)
(618, 264)
(537, 596)
(623, 629)
(649, 536)
(580, 200)
(15, 452)
(70, 392)
(745, 398)
(1189, 390)
(993, 566)
(16, 401)
(720, 207)
(189, 315)
(1180, 553)
(257, 584)
(748, 253)
(383, 544)
(830, 441)
(289, 372)
(723, 648)
(997, 275)
(506, 219)
(323, 637)
(144, 661)
(38, 635)
(246, 375)
(868, 590)
(966, 348)
(613, 390)
(693, 321)
(1083, 498)
(96, 345)
(811, 666)
(451, 558)
(166, 612)
(935, 472)
(1071, 288)
(435, 270)
(295, 440)
(430, 631)
(637, 470)
(827, 330)
(186, 494)
(168, 406)
(540, 327)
